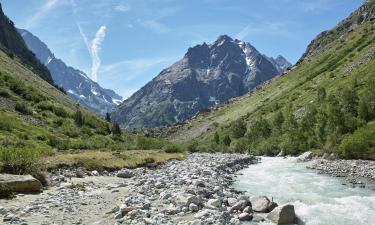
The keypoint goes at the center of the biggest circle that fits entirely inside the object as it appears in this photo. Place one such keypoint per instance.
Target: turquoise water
(318, 199)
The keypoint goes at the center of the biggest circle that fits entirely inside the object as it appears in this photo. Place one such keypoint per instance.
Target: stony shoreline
(194, 191)
(356, 173)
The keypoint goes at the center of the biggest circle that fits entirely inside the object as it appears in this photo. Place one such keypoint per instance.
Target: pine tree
(116, 130)
(78, 117)
(108, 117)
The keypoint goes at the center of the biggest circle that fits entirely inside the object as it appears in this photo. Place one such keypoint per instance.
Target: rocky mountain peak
(208, 74)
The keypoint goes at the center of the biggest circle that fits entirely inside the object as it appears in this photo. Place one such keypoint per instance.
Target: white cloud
(42, 11)
(95, 48)
(122, 8)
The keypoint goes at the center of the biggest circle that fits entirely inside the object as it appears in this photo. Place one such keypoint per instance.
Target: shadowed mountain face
(77, 84)
(12, 43)
(207, 75)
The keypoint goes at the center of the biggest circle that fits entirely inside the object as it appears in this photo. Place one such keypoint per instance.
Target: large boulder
(283, 215)
(262, 204)
(307, 156)
(20, 183)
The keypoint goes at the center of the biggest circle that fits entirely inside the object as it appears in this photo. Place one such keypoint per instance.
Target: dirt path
(80, 201)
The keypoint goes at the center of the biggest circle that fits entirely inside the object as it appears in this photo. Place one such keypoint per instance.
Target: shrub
(20, 160)
(145, 143)
(238, 128)
(4, 93)
(360, 144)
(171, 148)
(23, 108)
(240, 145)
(192, 147)
(6, 192)
(226, 140)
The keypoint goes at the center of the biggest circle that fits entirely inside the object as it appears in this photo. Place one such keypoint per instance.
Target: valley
(224, 135)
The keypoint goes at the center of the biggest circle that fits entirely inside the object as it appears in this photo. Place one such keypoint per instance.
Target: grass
(110, 160)
(327, 68)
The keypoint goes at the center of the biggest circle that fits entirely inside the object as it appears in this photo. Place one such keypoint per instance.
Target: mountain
(280, 63)
(207, 75)
(12, 43)
(77, 84)
(324, 104)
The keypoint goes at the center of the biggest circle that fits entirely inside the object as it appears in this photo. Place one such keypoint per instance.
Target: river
(318, 199)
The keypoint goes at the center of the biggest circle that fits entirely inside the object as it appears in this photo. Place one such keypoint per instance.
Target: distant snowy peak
(78, 85)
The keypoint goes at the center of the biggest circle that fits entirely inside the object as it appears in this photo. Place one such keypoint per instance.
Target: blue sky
(123, 44)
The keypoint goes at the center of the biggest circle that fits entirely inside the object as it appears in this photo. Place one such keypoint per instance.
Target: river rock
(20, 183)
(213, 203)
(283, 215)
(262, 204)
(245, 217)
(187, 199)
(94, 173)
(281, 154)
(193, 207)
(240, 205)
(125, 173)
(307, 156)
(231, 201)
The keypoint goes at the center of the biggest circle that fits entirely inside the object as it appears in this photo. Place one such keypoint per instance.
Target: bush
(20, 160)
(4, 93)
(192, 147)
(23, 108)
(238, 128)
(6, 192)
(360, 144)
(145, 143)
(171, 148)
(5, 124)
(240, 145)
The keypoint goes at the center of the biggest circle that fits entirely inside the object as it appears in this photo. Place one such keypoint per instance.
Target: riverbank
(318, 199)
(358, 173)
(190, 191)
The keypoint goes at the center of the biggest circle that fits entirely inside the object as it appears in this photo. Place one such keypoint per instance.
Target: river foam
(318, 199)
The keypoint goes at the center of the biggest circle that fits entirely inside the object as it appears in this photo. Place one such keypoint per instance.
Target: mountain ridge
(207, 75)
(12, 42)
(76, 83)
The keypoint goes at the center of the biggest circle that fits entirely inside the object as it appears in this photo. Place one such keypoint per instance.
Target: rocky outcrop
(20, 183)
(206, 76)
(75, 82)
(364, 14)
(283, 215)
